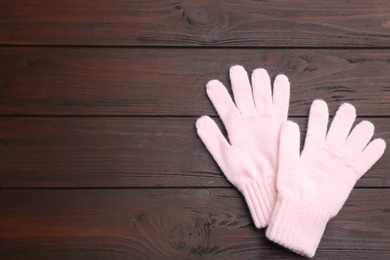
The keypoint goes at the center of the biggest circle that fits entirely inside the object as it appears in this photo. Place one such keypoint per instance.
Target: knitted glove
(253, 125)
(312, 187)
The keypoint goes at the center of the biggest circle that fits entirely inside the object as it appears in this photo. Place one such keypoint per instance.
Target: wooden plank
(196, 23)
(153, 81)
(172, 224)
(122, 152)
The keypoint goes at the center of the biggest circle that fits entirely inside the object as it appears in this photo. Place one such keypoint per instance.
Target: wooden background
(98, 99)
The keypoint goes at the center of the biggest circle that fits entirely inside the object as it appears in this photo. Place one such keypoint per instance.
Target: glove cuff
(296, 226)
(260, 195)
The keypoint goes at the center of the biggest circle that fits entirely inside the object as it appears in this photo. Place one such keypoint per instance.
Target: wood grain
(151, 81)
(172, 223)
(298, 23)
(98, 100)
(122, 152)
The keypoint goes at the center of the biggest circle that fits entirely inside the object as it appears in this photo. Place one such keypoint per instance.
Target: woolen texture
(253, 122)
(313, 186)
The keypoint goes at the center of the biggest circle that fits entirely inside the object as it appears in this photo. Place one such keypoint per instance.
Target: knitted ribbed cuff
(260, 196)
(297, 226)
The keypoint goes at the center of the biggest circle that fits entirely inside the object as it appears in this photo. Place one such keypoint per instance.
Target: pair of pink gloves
(293, 193)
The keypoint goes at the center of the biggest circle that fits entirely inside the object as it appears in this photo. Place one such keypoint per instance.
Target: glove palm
(253, 125)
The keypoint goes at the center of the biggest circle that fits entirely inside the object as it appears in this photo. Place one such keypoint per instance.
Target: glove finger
(222, 102)
(281, 96)
(357, 141)
(262, 94)
(242, 91)
(215, 142)
(369, 156)
(288, 146)
(317, 126)
(340, 127)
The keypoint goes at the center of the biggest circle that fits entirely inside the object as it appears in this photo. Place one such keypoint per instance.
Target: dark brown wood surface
(123, 152)
(197, 23)
(154, 81)
(98, 99)
(172, 223)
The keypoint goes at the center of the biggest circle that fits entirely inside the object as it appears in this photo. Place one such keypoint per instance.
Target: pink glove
(312, 187)
(249, 161)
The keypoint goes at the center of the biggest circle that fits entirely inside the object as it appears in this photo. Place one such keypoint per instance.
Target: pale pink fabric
(249, 159)
(312, 187)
